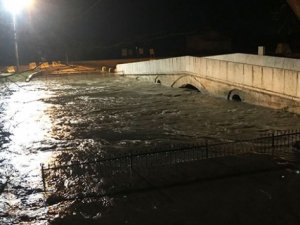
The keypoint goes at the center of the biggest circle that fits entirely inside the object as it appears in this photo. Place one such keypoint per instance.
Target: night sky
(91, 29)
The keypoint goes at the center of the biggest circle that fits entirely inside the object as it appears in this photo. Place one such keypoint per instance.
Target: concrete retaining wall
(250, 73)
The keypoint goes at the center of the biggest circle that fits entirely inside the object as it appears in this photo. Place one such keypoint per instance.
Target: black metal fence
(134, 170)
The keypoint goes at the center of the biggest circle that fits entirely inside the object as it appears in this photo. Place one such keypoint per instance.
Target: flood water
(85, 116)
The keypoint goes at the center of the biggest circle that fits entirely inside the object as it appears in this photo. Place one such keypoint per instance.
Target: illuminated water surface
(87, 116)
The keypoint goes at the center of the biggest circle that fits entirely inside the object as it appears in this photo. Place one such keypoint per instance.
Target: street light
(15, 7)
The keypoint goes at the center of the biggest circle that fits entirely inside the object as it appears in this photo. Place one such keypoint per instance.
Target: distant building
(208, 43)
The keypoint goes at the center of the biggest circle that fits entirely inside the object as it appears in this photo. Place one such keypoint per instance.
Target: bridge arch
(189, 82)
(157, 80)
(190, 87)
(236, 95)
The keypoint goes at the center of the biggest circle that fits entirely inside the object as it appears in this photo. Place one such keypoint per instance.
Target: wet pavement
(83, 117)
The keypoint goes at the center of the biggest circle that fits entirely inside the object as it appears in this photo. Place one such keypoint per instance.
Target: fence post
(43, 177)
(273, 143)
(206, 148)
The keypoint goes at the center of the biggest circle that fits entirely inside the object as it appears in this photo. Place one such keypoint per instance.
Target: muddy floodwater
(86, 116)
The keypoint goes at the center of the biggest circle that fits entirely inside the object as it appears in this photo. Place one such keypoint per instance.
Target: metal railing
(131, 171)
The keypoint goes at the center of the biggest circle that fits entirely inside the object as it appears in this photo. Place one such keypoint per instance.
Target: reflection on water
(26, 121)
(23, 118)
(83, 117)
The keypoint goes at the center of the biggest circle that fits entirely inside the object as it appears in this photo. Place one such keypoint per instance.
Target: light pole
(15, 7)
(16, 43)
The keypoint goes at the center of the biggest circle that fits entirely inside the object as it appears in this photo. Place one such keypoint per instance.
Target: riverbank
(46, 69)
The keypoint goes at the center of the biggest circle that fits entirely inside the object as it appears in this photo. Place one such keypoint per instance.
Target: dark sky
(55, 26)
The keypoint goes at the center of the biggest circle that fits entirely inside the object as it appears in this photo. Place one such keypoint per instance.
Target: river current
(83, 116)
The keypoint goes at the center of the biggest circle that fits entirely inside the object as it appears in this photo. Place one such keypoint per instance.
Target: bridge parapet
(282, 78)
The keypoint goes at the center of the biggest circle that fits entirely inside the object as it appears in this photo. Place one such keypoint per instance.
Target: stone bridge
(262, 80)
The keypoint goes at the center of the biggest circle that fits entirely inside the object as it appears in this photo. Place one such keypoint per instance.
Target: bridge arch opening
(236, 96)
(189, 82)
(158, 82)
(190, 87)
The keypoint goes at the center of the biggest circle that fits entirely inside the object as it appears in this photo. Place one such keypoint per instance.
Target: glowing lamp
(16, 6)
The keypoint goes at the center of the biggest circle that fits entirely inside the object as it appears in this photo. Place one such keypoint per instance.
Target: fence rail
(85, 177)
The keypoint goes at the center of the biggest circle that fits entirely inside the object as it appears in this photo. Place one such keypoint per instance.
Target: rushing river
(84, 116)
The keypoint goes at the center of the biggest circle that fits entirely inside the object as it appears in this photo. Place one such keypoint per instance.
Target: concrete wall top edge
(267, 61)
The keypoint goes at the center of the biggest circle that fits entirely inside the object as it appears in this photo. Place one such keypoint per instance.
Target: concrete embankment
(262, 80)
(111, 63)
(19, 77)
